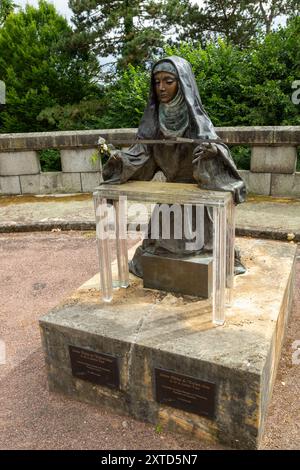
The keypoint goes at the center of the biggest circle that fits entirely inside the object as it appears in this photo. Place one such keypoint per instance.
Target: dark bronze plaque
(100, 369)
(185, 393)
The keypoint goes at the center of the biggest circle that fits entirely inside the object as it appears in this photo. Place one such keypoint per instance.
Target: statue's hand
(205, 150)
(204, 163)
(113, 167)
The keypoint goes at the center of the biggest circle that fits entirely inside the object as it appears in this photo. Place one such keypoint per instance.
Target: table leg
(121, 240)
(102, 238)
(219, 265)
(230, 252)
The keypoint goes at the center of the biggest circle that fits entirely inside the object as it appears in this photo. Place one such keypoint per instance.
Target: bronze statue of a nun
(175, 110)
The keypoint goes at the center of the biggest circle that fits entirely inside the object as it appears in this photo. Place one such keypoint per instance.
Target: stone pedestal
(159, 358)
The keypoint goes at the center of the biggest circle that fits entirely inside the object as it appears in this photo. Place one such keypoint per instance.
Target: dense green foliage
(50, 160)
(126, 99)
(242, 156)
(83, 115)
(52, 71)
(251, 86)
(122, 105)
(238, 87)
(235, 21)
(6, 7)
(37, 68)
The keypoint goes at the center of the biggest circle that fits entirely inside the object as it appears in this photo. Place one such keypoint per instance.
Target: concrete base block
(143, 333)
(90, 181)
(78, 160)
(188, 276)
(273, 159)
(10, 185)
(19, 163)
(286, 185)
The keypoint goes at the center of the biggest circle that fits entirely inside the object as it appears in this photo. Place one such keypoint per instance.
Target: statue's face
(166, 86)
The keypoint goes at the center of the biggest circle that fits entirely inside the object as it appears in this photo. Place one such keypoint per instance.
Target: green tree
(268, 11)
(232, 20)
(87, 114)
(274, 66)
(236, 21)
(127, 30)
(38, 70)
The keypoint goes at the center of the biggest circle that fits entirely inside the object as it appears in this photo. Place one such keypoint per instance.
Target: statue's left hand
(203, 163)
(205, 150)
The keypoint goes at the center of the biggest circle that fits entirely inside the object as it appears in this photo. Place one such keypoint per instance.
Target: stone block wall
(272, 172)
(277, 159)
(267, 184)
(19, 163)
(20, 173)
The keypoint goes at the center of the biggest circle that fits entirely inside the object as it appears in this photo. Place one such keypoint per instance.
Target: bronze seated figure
(175, 111)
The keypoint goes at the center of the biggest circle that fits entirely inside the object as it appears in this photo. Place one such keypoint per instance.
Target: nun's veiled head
(200, 124)
(165, 81)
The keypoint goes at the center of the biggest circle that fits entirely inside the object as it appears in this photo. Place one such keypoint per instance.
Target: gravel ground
(37, 271)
